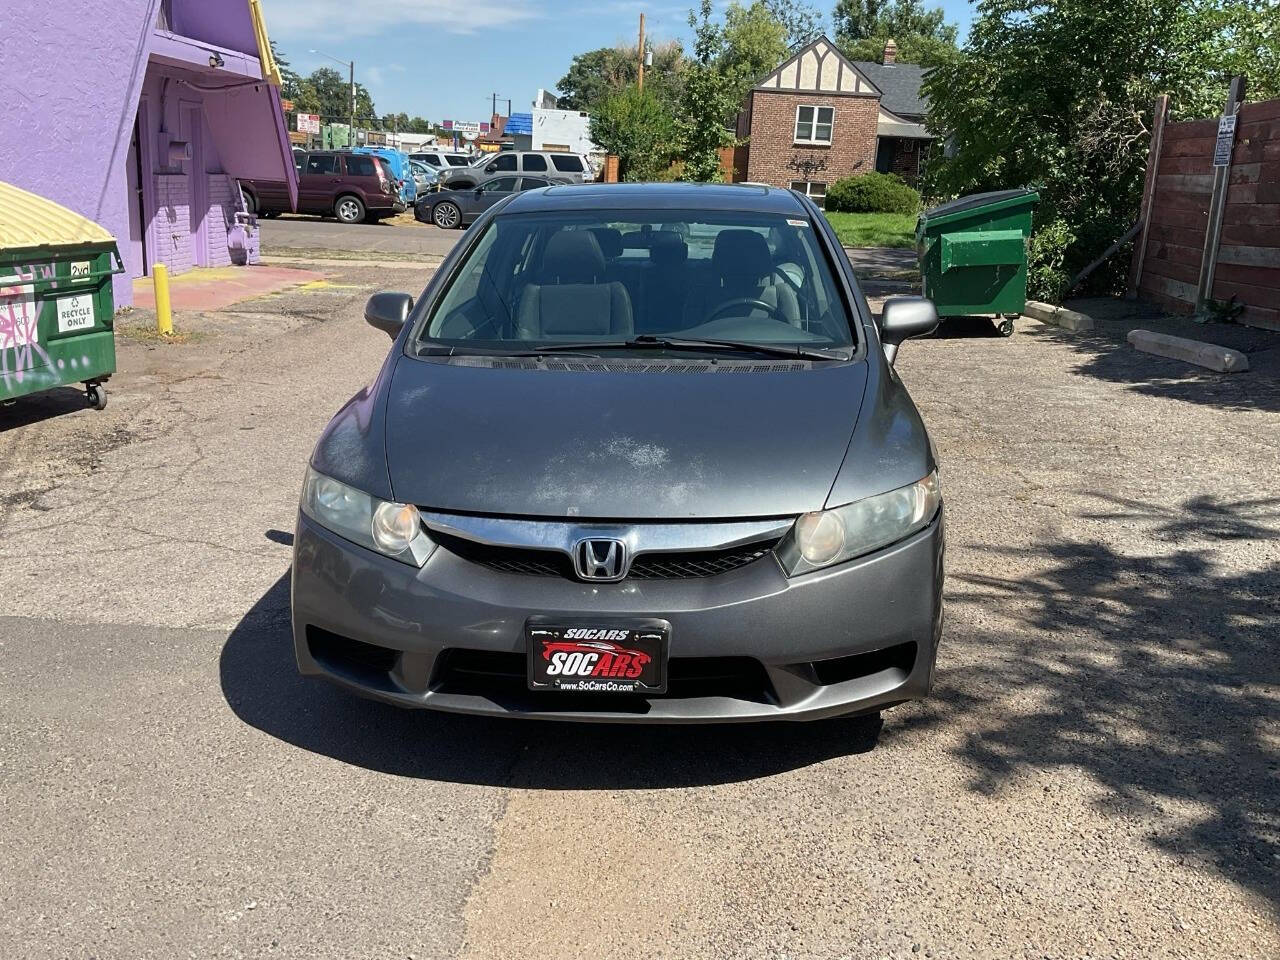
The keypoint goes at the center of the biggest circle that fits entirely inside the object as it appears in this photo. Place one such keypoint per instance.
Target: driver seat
(742, 268)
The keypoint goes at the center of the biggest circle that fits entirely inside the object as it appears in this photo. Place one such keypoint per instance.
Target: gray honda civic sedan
(638, 453)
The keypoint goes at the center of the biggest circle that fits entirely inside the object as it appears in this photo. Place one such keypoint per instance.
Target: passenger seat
(574, 297)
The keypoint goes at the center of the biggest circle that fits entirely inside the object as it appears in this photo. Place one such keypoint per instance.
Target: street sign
(1225, 142)
(308, 123)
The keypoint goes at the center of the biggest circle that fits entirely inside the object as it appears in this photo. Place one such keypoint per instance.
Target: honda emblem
(600, 560)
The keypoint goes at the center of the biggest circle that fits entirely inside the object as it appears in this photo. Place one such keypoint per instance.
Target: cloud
(345, 18)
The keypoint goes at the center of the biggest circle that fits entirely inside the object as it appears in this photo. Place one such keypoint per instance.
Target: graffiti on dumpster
(21, 355)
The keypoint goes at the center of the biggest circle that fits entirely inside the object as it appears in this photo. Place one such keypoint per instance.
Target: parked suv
(351, 187)
(441, 159)
(572, 167)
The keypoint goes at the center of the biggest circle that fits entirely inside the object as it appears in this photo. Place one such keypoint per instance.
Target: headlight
(832, 536)
(393, 529)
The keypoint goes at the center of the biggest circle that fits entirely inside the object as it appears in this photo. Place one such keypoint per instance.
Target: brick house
(820, 116)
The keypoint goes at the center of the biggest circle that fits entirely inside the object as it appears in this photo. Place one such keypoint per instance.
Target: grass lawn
(875, 229)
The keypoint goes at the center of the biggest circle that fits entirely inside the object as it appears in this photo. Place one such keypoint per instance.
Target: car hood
(619, 445)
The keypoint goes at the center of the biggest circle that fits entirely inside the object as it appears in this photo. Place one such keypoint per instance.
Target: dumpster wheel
(96, 395)
(1006, 327)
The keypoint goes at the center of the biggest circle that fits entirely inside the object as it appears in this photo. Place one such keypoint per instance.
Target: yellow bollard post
(164, 313)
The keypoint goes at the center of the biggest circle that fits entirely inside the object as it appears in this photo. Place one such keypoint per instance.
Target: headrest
(667, 249)
(573, 256)
(610, 241)
(741, 253)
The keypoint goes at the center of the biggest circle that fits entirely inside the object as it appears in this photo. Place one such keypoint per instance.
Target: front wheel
(1006, 328)
(95, 395)
(349, 209)
(447, 216)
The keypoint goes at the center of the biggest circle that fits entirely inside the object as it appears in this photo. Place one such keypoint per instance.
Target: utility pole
(641, 50)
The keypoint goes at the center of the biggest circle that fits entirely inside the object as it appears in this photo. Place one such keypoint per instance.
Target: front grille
(683, 565)
(490, 674)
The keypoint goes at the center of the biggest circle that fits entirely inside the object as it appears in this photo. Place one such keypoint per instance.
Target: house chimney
(890, 52)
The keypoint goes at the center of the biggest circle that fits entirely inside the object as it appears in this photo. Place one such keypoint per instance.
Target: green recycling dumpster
(56, 305)
(973, 255)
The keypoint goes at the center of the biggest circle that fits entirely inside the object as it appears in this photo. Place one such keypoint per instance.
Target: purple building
(141, 115)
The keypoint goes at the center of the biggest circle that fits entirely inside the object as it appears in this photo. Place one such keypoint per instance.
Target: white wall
(564, 127)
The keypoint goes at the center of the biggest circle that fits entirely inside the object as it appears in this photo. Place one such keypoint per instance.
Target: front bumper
(750, 644)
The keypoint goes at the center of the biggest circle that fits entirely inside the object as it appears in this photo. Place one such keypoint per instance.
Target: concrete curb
(1071, 320)
(1210, 355)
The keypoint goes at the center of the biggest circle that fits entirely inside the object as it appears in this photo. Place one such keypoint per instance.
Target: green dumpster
(973, 255)
(56, 305)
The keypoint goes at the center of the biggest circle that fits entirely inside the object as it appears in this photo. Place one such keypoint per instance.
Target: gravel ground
(1097, 774)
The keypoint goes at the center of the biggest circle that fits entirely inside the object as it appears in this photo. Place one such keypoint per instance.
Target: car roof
(656, 196)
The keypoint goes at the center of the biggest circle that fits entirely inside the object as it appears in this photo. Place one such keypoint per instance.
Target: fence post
(1218, 203)
(1158, 116)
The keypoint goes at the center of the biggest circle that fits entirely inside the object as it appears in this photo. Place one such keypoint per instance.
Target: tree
(596, 75)
(1058, 94)
(802, 21)
(708, 102)
(922, 34)
(752, 42)
(641, 129)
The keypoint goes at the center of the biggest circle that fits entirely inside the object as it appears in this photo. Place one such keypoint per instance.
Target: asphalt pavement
(1095, 775)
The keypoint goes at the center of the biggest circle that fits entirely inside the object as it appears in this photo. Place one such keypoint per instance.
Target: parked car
(607, 473)
(563, 166)
(441, 159)
(350, 186)
(398, 164)
(452, 208)
(424, 177)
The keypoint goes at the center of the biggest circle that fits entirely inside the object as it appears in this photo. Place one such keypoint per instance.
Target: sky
(444, 59)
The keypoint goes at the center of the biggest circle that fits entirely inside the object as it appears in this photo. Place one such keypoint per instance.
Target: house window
(813, 124)
(813, 189)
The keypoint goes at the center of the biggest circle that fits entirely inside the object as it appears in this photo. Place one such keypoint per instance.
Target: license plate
(598, 657)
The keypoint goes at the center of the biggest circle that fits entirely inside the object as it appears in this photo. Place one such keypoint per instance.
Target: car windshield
(628, 280)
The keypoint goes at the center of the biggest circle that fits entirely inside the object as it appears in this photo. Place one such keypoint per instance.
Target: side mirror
(491, 168)
(903, 318)
(479, 190)
(388, 312)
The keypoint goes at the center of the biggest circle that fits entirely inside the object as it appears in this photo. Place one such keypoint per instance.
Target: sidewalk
(212, 288)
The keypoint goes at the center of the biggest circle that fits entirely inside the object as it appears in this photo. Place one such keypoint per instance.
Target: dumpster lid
(28, 220)
(974, 200)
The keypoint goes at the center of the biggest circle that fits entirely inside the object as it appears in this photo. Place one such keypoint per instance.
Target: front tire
(447, 216)
(349, 209)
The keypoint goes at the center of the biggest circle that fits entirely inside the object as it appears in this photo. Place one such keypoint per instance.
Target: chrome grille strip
(639, 537)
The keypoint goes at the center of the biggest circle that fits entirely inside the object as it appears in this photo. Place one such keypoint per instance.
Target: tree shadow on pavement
(1157, 675)
(261, 684)
(1112, 359)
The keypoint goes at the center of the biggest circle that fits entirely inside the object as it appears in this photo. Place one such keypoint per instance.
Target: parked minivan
(350, 187)
(573, 167)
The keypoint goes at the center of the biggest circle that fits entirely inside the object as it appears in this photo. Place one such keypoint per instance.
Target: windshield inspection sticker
(75, 313)
(798, 223)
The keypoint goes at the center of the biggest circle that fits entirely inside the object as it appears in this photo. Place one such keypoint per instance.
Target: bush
(1047, 274)
(872, 193)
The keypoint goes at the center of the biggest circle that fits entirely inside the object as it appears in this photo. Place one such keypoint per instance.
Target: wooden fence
(1177, 262)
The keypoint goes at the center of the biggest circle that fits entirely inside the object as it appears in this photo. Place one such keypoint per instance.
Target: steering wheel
(774, 312)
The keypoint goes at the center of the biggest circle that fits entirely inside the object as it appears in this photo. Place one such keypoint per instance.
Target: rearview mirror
(903, 318)
(388, 312)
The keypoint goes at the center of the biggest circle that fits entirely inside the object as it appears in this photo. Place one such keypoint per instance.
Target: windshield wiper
(649, 341)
